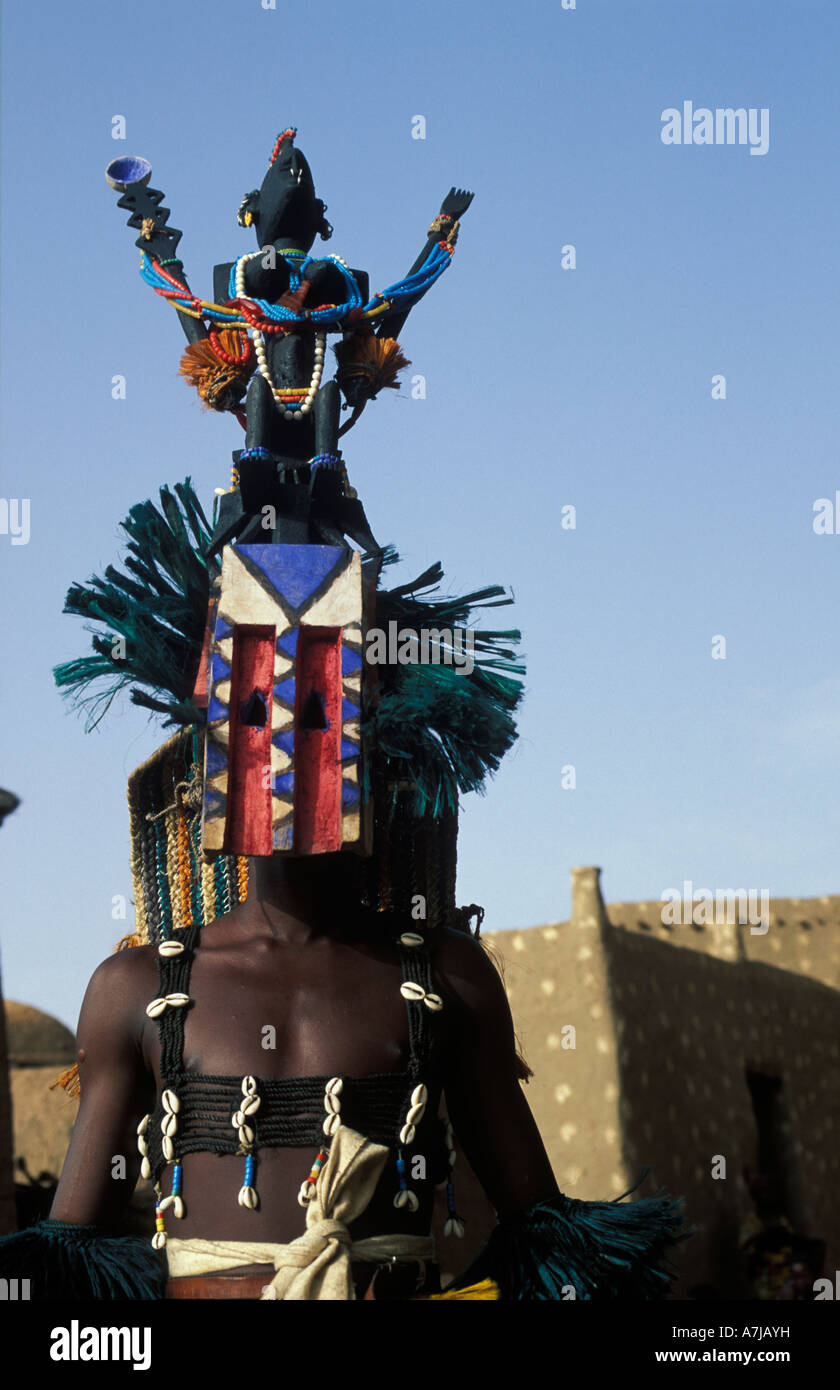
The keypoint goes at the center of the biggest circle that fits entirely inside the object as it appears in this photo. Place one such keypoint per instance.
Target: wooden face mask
(283, 755)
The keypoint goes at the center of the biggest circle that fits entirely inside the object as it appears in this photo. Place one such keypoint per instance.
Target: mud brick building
(689, 1043)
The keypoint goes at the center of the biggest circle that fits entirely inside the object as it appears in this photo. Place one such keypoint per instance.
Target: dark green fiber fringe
(159, 608)
(433, 726)
(64, 1261)
(603, 1250)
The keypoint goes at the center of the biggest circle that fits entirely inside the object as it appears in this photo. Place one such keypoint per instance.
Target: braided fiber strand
(136, 861)
(208, 894)
(185, 875)
(173, 869)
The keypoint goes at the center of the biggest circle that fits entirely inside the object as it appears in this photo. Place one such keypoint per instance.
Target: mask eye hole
(253, 711)
(314, 712)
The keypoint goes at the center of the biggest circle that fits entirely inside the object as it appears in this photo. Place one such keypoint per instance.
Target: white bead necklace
(298, 412)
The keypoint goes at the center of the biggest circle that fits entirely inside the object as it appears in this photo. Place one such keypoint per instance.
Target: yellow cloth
(485, 1289)
(317, 1264)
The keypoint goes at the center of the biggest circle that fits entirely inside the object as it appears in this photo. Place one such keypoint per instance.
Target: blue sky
(545, 387)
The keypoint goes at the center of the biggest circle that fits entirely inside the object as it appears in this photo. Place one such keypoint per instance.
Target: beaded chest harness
(198, 1113)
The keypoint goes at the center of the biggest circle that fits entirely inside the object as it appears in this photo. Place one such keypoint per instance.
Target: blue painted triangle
(285, 739)
(348, 749)
(285, 690)
(296, 571)
(350, 661)
(216, 710)
(283, 836)
(284, 782)
(349, 710)
(220, 668)
(349, 794)
(288, 642)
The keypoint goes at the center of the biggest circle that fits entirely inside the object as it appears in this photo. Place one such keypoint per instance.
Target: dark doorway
(772, 1180)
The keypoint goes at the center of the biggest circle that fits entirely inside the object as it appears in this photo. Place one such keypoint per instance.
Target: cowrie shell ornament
(170, 948)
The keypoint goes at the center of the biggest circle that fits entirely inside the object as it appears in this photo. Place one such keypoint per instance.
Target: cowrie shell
(331, 1124)
(410, 990)
(433, 1002)
(246, 1134)
(415, 1114)
(332, 1104)
(165, 1203)
(142, 1146)
(250, 1105)
(170, 948)
(335, 1086)
(144, 1124)
(156, 1008)
(407, 1134)
(305, 1195)
(168, 1148)
(145, 1168)
(169, 1124)
(419, 1095)
(178, 1208)
(248, 1198)
(170, 1102)
(159, 1240)
(177, 1000)
(237, 1118)
(249, 1086)
(411, 938)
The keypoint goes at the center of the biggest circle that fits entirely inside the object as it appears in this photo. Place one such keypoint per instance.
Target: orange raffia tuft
(219, 383)
(184, 871)
(125, 943)
(379, 360)
(69, 1082)
(242, 877)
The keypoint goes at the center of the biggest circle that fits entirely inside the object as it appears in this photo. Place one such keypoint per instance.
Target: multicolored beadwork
(307, 1190)
(159, 1237)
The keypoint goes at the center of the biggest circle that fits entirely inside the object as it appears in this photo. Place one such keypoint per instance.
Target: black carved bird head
(285, 206)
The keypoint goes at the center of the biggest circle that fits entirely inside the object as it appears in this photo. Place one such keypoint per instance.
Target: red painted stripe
(318, 751)
(201, 690)
(248, 825)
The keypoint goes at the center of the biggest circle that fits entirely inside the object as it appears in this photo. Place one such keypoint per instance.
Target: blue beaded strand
(401, 1178)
